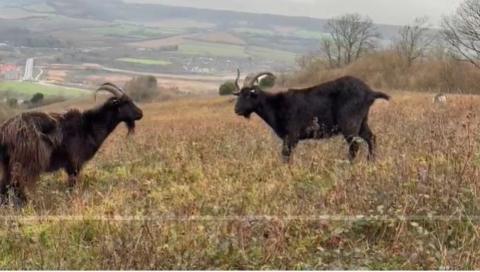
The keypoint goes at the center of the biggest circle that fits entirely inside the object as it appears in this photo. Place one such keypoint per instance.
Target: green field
(212, 49)
(28, 89)
(235, 51)
(134, 31)
(271, 54)
(145, 61)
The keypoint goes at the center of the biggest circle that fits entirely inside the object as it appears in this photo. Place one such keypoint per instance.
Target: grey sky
(381, 11)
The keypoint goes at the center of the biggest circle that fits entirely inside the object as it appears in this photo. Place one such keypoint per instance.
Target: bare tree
(306, 60)
(462, 31)
(414, 40)
(350, 36)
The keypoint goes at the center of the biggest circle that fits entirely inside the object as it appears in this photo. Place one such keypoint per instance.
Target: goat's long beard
(130, 127)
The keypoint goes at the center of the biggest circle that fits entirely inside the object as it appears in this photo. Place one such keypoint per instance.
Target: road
(28, 76)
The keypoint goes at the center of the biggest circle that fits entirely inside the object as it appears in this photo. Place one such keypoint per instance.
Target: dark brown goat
(323, 111)
(34, 142)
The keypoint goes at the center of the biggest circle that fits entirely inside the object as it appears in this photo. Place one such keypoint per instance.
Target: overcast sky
(381, 11)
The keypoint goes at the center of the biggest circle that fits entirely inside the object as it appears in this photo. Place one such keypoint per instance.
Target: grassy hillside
(221, 198)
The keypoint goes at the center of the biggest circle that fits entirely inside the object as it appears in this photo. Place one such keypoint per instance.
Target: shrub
(267, 82)
(142, 88)
(12, 102)
(227, 88)
(37, 98)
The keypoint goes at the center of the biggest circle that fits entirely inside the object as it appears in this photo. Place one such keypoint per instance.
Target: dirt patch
(56, 75)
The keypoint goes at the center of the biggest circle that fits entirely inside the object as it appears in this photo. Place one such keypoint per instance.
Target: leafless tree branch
(350, 36)
(461, 31)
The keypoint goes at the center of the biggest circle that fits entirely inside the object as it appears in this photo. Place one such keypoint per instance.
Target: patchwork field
(134, 31)
(200, 188)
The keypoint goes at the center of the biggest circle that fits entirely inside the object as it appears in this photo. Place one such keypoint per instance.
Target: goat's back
(28, 139)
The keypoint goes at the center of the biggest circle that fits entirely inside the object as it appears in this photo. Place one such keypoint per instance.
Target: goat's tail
(380, 95)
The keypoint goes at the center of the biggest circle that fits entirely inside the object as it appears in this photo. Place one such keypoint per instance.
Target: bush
(227, 88)
(142, 88)
(37, 98)
(267, 82)
(12, 102)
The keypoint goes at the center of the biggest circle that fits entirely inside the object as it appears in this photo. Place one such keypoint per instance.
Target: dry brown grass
(200, 181)
(385, 70)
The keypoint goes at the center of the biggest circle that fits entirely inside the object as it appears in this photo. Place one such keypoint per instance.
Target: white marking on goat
(440, 99)
(314, 127)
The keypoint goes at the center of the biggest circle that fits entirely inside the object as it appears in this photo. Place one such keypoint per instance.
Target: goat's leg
(350, 130)
(289, 144)
(72, 176)
(4, 183)
(3, 194)
(354, 146)
(370, 138)
(20, 197)
(18, 182)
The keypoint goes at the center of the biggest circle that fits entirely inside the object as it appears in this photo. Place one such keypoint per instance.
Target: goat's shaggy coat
(33, 143)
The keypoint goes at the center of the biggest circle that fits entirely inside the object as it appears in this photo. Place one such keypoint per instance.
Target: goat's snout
(140, 115)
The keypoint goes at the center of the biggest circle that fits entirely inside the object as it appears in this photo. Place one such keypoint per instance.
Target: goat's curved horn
(237, 86)
(111, 88)
(251, 81)
(121, 90)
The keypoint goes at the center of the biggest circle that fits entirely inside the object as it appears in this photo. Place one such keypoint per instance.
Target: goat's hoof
(18, 203)
(70, 189)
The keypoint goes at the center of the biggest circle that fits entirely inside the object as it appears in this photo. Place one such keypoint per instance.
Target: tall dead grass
(200, 188)
(385, 70)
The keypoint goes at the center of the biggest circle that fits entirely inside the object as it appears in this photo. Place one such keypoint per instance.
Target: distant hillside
(156, 38)
(110, 10)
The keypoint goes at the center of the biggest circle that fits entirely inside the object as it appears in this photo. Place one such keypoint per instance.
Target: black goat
(326, 110)
(35, 142)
